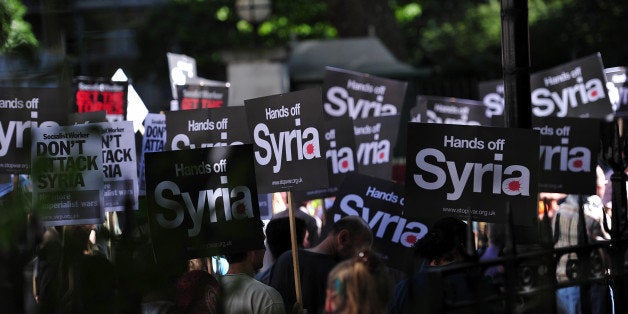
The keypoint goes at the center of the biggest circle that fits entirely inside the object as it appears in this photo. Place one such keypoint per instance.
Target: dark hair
(278, 235)
(197, 292)
(445, 238)
(235, 257)
(354, 224)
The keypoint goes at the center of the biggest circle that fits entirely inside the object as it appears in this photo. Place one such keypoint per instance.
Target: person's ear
(343, 238)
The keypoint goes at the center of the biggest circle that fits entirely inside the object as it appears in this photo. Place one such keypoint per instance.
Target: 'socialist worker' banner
(154, 140)
(569, 149)
(287, 144)
(203, 202)
(68, 174)
(202, 96)
(380, 203)
(430, 109)
(375, 139)
(206, 128)
(94, 94)
(359, 95)
(20, 109)
(472, 172)
(574, 89)
(119, 166)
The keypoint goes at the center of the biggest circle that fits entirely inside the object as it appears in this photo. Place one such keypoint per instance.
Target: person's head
(197, 292)
(76, 239)
(349, 235)
(358, 285)
(278, 235)
(600, 182)
(444, 243)
(245, 262)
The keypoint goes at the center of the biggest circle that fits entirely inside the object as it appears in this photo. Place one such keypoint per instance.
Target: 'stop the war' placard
(472, 172)
(287, 142)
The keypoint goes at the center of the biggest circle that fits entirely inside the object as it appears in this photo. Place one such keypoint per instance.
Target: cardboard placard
(617, 90)
(154, 140)
(119, 166)
(206, 128)
(472, 172)
(96, 94)
(568, 157)
(573, 89)
(381, 204)
(492, 96)
(287, 142)
(87, 117)
(431, 109)
(181, 68)
(68, 174)
(339, 147)
(202, 96)
(359, 95)
(375, 139)
(20, 109)
(203, 202)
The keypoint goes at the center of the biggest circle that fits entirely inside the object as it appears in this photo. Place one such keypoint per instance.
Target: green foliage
(15, 33)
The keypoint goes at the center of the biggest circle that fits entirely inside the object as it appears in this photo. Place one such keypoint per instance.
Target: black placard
(339, 147)
(358, 95)
(574, 89)
(287, 143)
(96, 94)
(202, 96)
(375, 139)
(568, 157)
(202, 202)
(472, 172)
(492, 96)
(20, 109)
(381, 204)
(206, 128)
(431, 109)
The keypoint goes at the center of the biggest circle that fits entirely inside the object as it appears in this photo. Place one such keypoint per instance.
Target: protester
(358, 285)
(428, 291)
(197, 292)
(278, 240)
(241, 292)
(312, 228)
(347, 237)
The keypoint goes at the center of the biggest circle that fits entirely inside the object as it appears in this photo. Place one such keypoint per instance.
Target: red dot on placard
(344, 164)
(594, 93)
(381, 155)
(514, 186)
(309, 149)
(577, 163)
(411, 239)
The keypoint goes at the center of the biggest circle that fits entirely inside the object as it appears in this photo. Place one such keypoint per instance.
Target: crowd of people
(83, 269)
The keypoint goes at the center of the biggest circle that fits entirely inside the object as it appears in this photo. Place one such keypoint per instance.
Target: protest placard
(96, 94)
(67, 174)
(181, 68)
(472, 172)
(120, 190)
(573, 89)
(203, 202)
(87, 117)
(375, 139)
(287, 145)
(381, 204)
(20, 109)
(568, 157)
(492, 96)
(359, 95)
(617, 90)
(154, 140)
(449, 110)
(195, 96)
(206, 128)
(339, 147)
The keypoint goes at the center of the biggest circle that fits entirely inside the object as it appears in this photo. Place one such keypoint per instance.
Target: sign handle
(295, 256)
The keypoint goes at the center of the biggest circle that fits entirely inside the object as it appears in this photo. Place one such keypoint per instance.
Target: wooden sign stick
(295, 256)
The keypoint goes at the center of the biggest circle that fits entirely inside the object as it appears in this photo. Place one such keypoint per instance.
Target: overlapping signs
(374, 104)
(492, 96)
(94, 94)
(68, 174)
(203, 202)
(472, 172)
(568, 154)
(119, 166)
(287, 145)
(202, 96)
(189, 129)
(430, 109)
(21, 109)
(380, 203)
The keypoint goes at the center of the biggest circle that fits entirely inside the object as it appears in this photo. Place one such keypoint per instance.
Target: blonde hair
(359, 285)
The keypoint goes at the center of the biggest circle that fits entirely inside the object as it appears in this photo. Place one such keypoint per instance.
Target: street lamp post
(254, 12)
